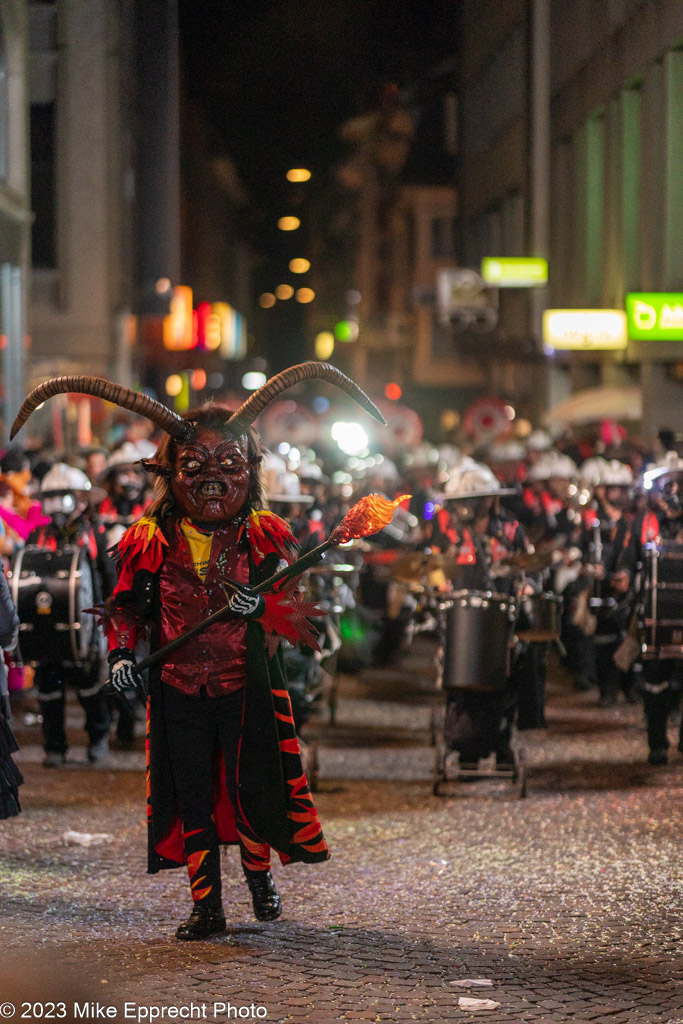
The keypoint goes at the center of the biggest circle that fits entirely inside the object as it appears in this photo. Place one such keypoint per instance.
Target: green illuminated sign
(656, 315)
(515, 271)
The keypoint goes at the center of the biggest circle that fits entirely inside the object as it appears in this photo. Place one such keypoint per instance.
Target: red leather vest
(215, 658)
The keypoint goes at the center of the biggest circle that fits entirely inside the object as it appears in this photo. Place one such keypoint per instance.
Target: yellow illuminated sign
(515, 271)
(585, 329)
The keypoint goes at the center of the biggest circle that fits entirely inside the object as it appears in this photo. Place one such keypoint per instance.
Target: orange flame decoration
(371, 514)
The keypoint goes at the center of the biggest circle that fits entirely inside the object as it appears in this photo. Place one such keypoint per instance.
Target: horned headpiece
(175, 425)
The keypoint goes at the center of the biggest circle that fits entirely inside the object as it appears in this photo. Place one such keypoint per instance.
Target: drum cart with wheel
(477, 631)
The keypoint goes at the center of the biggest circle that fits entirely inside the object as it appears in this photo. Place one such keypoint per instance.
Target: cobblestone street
(568, 902)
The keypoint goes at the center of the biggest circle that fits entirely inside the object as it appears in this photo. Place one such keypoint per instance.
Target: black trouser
(478, 724)
(528, 676)
(611, 679)
(51, 681)
(661, 701)
(198, 729)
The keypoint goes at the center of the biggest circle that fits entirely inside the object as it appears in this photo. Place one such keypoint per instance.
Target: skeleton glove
(121, 674)
(243, 602)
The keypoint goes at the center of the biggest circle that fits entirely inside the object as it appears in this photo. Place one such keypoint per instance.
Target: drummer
(598, 604)
(661, 679)
(550, 499)
(125, 482)
(473, 529)
(68, 497)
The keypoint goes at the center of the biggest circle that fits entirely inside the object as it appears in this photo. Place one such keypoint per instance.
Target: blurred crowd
(558, 530)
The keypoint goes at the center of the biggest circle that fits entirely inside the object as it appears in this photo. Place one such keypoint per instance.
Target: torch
(368, 516)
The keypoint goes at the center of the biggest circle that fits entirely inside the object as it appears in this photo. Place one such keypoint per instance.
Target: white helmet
(554, 465)
(63, 487)
(126, 455)
(617, 474)
(473, 480)
(309, 471)
(385, 471)
(279, 484)
(539, 441)
(506, 451)
(592, 471)
(62, 477)
(670, 465)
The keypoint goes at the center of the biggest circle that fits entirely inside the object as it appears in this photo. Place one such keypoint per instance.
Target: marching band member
(125, 482)
(600, 609)
(471, 527)
(661, 677)
(552, 484)
(67, 497)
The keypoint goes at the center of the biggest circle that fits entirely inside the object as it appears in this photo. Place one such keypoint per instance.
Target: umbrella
(594, 404)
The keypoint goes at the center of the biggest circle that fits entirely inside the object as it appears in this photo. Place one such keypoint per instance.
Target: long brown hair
(214, 417)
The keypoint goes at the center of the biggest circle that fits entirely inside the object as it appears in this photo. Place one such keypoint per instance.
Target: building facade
(15, 206)
(571, 150)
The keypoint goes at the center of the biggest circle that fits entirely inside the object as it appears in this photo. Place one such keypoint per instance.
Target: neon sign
(585, 329)
(515, 271)
(657, 315)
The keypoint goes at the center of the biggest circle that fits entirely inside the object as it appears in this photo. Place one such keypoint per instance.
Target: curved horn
(256, 403)
(126, 398)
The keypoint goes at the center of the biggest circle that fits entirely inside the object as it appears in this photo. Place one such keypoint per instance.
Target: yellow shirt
(200, 547)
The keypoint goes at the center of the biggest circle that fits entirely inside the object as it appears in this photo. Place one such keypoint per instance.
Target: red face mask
(211, 477)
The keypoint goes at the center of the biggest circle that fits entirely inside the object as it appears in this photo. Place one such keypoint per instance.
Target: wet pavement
(569, 902)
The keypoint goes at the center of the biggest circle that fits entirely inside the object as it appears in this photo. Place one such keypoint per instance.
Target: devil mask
(211, 476)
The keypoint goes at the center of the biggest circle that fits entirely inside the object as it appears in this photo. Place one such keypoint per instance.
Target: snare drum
(541, 618)
(478, 629)
(51, 590)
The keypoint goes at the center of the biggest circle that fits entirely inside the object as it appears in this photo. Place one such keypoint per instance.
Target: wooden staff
(368, 516)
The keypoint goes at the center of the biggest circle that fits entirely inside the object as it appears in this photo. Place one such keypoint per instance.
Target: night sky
(276, 78)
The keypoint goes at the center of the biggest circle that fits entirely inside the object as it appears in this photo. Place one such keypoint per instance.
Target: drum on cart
(477, 636)
(540, 618)
(51, 591)
(663, 601)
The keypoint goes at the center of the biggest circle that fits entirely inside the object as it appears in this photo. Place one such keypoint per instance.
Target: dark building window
(4, 104)
(43, 180)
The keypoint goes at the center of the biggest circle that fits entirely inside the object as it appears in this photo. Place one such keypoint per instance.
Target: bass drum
(478, 630)
(51, 590)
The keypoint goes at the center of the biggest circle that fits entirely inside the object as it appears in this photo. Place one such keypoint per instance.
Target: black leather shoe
(658, 757)
(202, 922)
(264, 895)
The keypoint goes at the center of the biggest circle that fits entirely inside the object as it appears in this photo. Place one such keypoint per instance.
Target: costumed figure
(10, 776)
(67, 497)
(650, 567)
(477, 535)
(224, 759)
